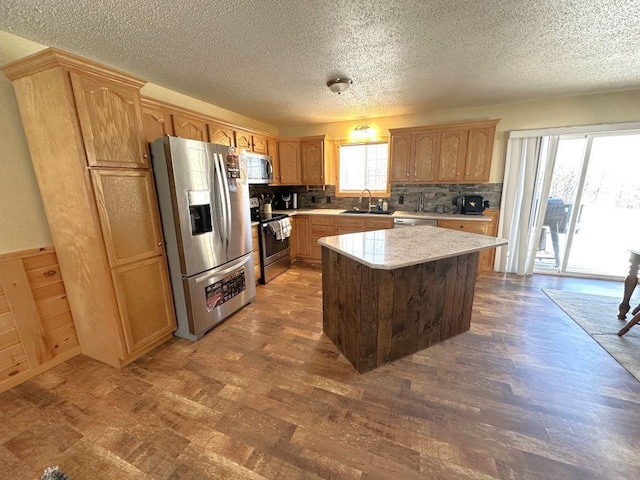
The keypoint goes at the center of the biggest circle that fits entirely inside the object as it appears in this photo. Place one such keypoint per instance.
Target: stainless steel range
(275, 250)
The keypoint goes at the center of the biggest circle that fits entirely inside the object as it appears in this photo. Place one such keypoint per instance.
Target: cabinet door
(425, 155)
(349, 225)
(300, 242)
(156, 123)
(189, 127)
(378, 224)
(110, 116)
(128, 214)
(487, 257)
(144, 302)
(220, 134)
(479, 151)
(289, 163)
(453, 152)
(259, 144)
(243, 140)
(272, 151)
(400, 158)
(255, 248)
(473, 226)
(312, 160)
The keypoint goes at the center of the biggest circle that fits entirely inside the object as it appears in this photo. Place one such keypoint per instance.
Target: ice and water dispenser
(200, 212)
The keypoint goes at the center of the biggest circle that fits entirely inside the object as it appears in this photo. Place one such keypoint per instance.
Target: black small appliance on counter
(471, 204)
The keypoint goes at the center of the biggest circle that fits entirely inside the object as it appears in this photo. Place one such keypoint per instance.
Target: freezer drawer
(215, 294)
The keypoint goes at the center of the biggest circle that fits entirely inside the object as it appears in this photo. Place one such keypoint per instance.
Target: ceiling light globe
(339, 85)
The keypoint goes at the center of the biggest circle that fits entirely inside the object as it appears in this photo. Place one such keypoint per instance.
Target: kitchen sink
(375, 212)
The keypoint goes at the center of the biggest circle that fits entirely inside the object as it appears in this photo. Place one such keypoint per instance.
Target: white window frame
(353, 193)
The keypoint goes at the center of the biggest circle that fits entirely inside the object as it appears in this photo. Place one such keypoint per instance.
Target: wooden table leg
(630, 324)
(629, 285)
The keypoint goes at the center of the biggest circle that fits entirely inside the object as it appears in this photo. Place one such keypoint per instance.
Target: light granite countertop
(403, 247)
(396, 214)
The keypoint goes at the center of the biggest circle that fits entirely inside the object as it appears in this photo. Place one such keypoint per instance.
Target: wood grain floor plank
(525, 394)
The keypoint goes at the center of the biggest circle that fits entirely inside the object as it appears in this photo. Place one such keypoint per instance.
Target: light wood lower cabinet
(308, 229)
(486, 260)
(299, 242)
(255, 248)
(321, 226)
(471, 226)
(144, 301)
(84, 127)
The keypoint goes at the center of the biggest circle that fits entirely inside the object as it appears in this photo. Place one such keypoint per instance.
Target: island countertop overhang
(403, 247)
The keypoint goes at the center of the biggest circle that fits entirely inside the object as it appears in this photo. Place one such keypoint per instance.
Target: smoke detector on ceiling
(339, 85)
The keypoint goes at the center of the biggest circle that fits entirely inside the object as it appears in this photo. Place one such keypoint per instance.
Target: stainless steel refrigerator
(204, 206)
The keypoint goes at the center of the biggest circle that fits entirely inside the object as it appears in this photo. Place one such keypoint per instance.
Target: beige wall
(23, 224)
(561, 112)
(22, 221)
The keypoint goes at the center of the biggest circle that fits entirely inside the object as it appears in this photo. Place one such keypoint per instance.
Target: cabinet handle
(145, 156)
(407, 174)
(159, 244)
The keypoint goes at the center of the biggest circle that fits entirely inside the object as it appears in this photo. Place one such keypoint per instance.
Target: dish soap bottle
(385, 206)
(379, 204)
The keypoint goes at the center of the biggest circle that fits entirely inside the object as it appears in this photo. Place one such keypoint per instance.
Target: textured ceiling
(270, 59)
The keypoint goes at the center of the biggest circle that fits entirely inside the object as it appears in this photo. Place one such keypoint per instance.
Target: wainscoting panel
(36, 327)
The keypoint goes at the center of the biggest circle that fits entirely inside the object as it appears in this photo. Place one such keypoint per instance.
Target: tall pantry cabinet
(84, 126)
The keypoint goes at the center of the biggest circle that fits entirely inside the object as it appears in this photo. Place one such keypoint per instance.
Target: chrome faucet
(360, 199)
(421, 203)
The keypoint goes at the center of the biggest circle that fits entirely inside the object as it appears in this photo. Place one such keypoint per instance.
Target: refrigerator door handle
(220, 273)
(227, 199)
(224, 235)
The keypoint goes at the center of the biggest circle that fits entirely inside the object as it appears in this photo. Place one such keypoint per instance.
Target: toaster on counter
(471, 204)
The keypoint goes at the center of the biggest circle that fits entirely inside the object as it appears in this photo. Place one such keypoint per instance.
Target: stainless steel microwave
(259, 167)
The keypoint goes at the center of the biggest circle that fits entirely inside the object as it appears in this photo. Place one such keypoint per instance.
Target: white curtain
(517, 204)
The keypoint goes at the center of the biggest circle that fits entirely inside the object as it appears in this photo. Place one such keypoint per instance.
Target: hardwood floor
(525, 394)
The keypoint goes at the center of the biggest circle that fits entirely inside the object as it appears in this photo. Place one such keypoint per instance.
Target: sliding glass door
(592, 213)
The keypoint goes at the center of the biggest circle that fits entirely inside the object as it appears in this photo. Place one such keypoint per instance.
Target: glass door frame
(545, 188)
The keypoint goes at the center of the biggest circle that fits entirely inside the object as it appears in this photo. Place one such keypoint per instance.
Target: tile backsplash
(433, 195)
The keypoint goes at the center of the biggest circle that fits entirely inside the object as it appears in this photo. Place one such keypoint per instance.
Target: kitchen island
(391, 293)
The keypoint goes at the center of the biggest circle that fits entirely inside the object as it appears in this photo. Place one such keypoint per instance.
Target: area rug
(598, 316)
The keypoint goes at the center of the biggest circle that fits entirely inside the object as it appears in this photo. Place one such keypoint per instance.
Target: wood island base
(375, 316)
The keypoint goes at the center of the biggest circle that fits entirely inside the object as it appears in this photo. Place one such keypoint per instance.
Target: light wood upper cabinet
(426, 149)
(128, 214)
(156, 122)
(479, 152)
(193, 128)
(110, 117)
(452, 153)
(312, 158)
(243, 140)
(251, 142)
(453, 150)
(272, 151)
(144, 302)
(221, 134)
(317, 160)
(414, 157)
(289, 162)
(259, 144)
(401, 161)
